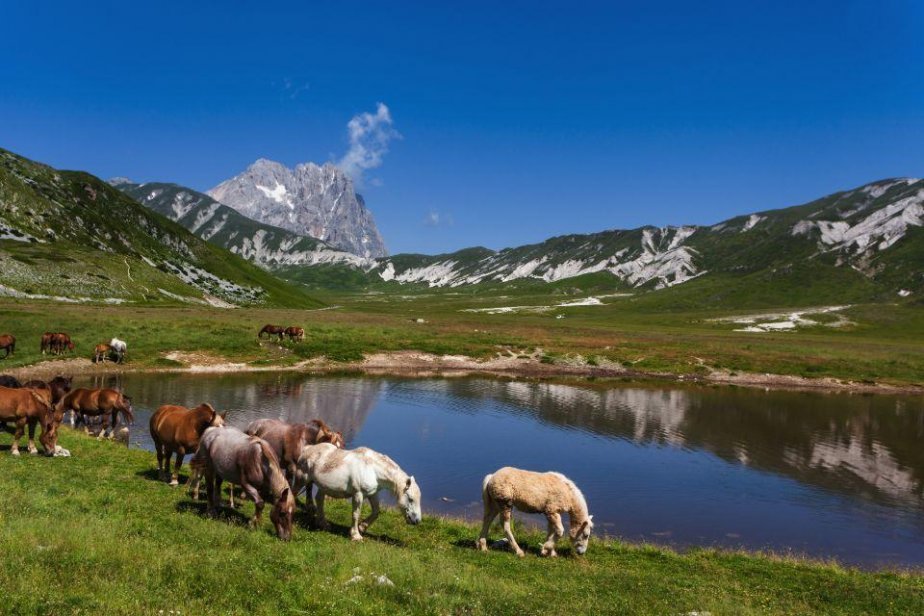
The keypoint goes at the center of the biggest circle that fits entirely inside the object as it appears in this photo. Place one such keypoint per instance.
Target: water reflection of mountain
(344, 403)
(868, 445)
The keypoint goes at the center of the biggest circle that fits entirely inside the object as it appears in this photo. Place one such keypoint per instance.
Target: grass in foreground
(95, 533)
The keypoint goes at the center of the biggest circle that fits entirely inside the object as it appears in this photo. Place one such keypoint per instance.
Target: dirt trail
(419, 364)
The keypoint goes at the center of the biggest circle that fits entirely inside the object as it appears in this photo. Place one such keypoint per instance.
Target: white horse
(357, 474)
(550, 493)
(119, 348)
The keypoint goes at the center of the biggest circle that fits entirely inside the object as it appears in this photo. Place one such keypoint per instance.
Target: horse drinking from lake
(287, 441)
(356, 474)
(105, 403)
(177, 430)
(272, 330)
(227, 454)
(530, 492)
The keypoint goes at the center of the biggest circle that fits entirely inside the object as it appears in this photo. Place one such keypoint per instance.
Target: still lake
(827, 475)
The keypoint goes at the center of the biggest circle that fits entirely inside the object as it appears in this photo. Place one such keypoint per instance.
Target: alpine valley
(862, 244)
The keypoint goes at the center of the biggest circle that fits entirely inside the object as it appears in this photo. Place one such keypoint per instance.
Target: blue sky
(518, 120)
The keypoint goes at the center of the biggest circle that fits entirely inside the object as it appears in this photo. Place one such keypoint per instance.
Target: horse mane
(577, 497)
(254, 462)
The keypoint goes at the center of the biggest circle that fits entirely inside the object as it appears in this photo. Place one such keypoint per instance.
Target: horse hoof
(15, 452)
(521, 553)
(362, 528)
(356, 537)
(174, 482)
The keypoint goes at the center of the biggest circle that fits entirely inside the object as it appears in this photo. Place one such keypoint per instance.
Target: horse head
(580, 536)
(282, 514)
(409, 501)
(327, 435)
(217, 419)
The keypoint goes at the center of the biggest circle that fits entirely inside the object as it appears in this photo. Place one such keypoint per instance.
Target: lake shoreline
(414, 364)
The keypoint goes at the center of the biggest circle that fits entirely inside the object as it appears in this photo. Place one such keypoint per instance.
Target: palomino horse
(107, 403)
(227, 454)
(272, 330)
(295, 334)
(357, 474)
(8, 344)
(177, 429)
(548, 493)
(287, 441)
(27, 406)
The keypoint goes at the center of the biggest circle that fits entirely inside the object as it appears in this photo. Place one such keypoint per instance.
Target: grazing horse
(548, 493)
(227, 454)
(119, 348)
(59, 342)
(287, 441)
(107, 403)
(357, 474)
(45, 345)
(8, 344)
(101, 353)
(177, 429)
(272, 330)
(9, 381)
(295, 334)
(27, 406)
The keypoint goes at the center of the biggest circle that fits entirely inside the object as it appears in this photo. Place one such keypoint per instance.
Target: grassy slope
(83, 214)
(95, 533)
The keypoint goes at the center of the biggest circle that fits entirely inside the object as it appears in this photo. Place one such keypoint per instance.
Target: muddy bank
(418, 364)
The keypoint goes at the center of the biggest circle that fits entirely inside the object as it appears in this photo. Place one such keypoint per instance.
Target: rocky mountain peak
(319, 201)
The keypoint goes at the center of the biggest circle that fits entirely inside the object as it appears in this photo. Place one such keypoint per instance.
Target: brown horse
(56, 342)
(107, 403)
(101, 352)
(295, 334)
(227, 454)
(288, 439)
(177, 429)
(8, 344)
(27, 406)
(272, 330)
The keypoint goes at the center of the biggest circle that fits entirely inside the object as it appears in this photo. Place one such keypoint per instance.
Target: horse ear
(590, 518)
(224, 415)
(410, 480)
(284, 495)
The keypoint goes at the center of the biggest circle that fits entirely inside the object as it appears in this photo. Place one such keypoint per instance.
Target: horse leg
(159, 450)
(175, 477)
(32, 424)
(357, 513)
(556, 530)
(20, 428)
(195, 478)
(374, 502)
(320, 520)
(490, 512)
(102, 432)
(257, 503)
(212, 490)
(507, 514)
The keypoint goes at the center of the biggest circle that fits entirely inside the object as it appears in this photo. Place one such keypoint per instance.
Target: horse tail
(126, 409)
(198, 462)
(484, 487)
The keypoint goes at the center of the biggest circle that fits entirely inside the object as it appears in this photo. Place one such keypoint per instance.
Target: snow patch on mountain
(752, 222)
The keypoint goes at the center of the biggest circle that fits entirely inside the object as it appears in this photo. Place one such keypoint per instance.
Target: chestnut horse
(8, 344)
(27, 406)
(101, 352)
(288, 439)
(107, 403)
(177, 429)
(295, 334)
(227, 454)
(272, 330)
(56, 342)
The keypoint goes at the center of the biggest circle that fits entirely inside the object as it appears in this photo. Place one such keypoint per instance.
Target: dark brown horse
(8, 344)
(177, 429)
(272, 330)
(227, 454)
(288, 439)
(9, 381)
(107, 403)
(295, 334)
(27, 406)
(56, 342)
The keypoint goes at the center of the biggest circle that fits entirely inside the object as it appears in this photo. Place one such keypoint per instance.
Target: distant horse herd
(272, 460)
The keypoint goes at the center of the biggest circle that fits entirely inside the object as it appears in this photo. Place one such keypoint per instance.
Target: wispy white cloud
(437, 219)
(369, 135)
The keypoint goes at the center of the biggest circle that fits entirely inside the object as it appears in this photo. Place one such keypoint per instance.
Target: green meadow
(96, 533)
